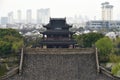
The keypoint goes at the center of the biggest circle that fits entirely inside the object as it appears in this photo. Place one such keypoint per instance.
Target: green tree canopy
(9, 32)
(105, 46)
(87, 40)
(117, 42)
(10, 41)
(5, 47)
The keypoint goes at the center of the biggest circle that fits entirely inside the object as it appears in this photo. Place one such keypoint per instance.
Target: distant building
(10, 18)
(107, 21)
(19, 16)
(29, 16)
(43, 16)
(4, 20)
(102, 24)
(107, 11)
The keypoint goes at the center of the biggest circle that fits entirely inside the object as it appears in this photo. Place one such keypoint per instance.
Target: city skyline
(61, 8)
(42, 16)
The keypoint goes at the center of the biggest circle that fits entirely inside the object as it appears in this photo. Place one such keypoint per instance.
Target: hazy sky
(60, 8)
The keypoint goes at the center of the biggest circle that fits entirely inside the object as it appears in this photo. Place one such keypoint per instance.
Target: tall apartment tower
(10, 18)
(29, 16)
(19, 16)
(107, 11)
(43, 16)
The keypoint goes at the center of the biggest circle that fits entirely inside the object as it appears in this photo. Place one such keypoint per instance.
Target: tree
(5, 48)
(90, 39)
(117, 46)
(117, 42)
(17, 45)
(9, 32)
(105, 47)
(87, 40)
(10, 41)
(79, 40)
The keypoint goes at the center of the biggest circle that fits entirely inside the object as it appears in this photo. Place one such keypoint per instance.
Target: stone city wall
(59, 64)
(59, 51)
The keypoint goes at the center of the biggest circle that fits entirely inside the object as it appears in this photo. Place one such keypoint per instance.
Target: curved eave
(45, 26)
(66, 26)
(69, 25)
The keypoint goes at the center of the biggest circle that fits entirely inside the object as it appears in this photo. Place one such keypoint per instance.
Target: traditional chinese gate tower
(57, 34)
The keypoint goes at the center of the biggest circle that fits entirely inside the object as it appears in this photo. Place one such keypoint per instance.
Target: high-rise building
(107, 11)
(19, 16)
(39, 19)
(10, 18)
(43, 16)
(4, 20)
(29, 16)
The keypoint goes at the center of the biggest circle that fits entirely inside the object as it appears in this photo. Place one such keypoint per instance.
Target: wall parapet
(108, 73)
(10, 73)
(97, 60)
(21, 62)
(59, 51)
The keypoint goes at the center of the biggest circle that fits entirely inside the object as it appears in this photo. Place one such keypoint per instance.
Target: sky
(61, 8)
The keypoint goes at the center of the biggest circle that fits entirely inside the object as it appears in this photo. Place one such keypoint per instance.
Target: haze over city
(61, 8)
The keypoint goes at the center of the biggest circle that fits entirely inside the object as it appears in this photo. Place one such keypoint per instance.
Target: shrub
(114, 58)
(116, 70)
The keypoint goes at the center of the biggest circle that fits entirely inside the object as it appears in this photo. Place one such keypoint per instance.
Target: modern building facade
(99, 24)
(107, 11)
(57, 34)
